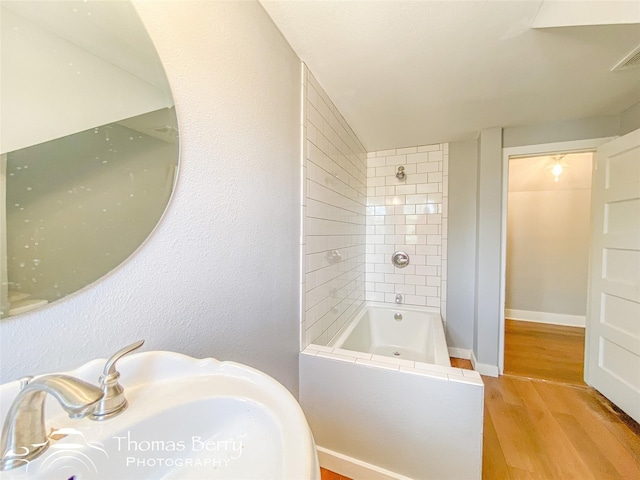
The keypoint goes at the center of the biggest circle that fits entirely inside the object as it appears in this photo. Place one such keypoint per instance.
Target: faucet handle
(110, 366)
(113, 400)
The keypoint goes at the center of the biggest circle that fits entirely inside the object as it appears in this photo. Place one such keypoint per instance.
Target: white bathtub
(416, 335)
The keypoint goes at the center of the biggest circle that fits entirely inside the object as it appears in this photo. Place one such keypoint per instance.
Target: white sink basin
(187, 419)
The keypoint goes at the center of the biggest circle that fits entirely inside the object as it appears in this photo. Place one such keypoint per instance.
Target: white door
(612, 357)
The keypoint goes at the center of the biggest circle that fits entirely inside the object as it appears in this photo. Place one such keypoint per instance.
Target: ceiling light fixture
(557, 167)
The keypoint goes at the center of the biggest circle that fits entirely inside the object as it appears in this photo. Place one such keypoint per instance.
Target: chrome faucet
(24, 435)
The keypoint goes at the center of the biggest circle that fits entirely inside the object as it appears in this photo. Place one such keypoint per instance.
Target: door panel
(613, 316)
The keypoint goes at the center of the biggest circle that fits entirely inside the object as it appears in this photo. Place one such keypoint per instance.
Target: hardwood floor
(537, 429)
(329, 475)
(539, 350)
(461, 363)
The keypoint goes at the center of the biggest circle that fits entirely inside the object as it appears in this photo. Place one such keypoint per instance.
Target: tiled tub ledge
(451, 374)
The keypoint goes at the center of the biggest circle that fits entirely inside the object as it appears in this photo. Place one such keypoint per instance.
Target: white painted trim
(483, 368)
(460, 353)
(546, 317)
(354, 468)
(575, 146)
(503, 256)
(303, 174)
(487, 370)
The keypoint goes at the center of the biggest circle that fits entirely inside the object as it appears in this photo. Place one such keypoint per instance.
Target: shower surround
(356, 213)
(409, 215)
(333, 213)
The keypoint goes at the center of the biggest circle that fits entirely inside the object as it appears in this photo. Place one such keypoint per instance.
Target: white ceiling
(407, 73)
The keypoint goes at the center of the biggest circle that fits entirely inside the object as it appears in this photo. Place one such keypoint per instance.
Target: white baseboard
(460, 353)
(546, 317)
(483, 368)
(354, 468)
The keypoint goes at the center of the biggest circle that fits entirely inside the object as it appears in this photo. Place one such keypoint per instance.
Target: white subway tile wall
(333, 237)
(409, 215)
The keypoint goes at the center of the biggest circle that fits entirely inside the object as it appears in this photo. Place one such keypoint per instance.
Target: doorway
(544, 277)
(548, 231)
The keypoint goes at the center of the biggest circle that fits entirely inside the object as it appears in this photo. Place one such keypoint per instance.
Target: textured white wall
(630, 119)
(334, 175)
(563, 131)
(219, 277)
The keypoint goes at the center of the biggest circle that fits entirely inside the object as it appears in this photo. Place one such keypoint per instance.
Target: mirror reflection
(89, 145)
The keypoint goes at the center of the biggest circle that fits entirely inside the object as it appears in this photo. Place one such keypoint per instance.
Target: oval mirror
(88, 145)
